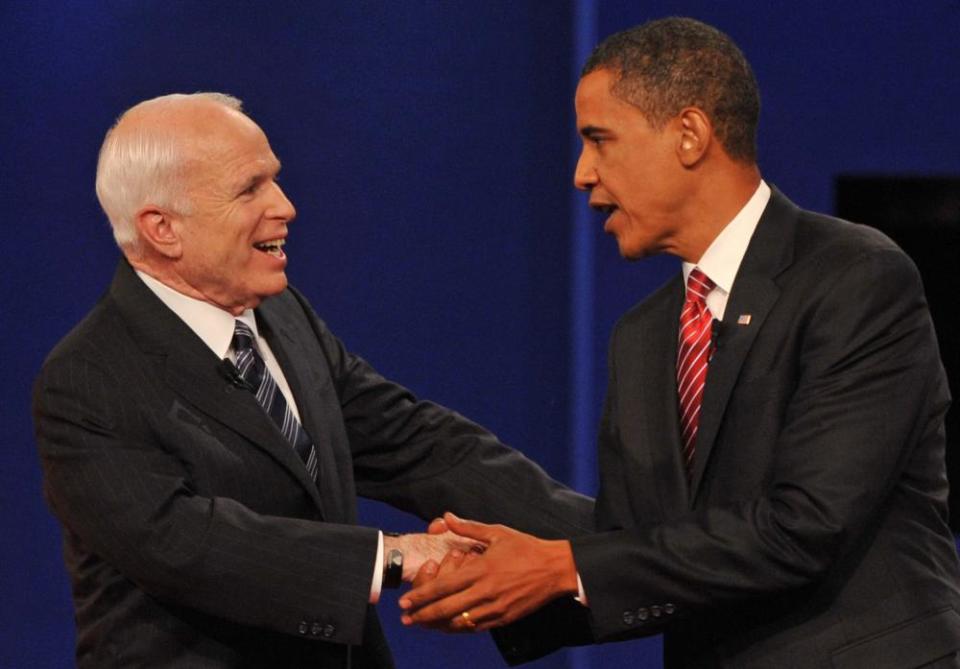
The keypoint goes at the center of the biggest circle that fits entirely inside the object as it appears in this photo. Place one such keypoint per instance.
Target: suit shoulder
(834, 242)
(93, 337)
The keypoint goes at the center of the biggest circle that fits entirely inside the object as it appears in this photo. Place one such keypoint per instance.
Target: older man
(204, 436)
(773, 491)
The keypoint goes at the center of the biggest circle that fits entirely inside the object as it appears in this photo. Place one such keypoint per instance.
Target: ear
(159, 229)
(695, 135)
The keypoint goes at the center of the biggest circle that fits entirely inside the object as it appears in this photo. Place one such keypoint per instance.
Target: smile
(273, 246)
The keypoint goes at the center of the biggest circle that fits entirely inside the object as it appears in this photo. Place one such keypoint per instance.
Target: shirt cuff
(581, 595)
(377, 584)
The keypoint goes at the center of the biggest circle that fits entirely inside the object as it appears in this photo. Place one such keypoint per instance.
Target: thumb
(470, 528)
(427, 573)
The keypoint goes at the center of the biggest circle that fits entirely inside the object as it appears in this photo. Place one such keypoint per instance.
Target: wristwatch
(393, 571)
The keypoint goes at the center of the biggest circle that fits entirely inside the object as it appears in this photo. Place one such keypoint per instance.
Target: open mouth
(273, 246)
(604, 208)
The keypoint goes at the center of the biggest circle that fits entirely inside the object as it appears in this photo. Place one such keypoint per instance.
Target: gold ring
(466, 619)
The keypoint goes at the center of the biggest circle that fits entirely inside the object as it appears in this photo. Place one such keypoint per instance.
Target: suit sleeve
(126, 500)
(426, 459)
(869, 389)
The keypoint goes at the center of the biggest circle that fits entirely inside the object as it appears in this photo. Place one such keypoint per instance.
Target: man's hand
(431, 570)
(517, 574)
(420, 548)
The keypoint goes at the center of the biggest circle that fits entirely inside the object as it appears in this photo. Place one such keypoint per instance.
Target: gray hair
(145, 166)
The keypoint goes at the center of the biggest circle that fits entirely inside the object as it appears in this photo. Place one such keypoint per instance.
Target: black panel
(921, 214)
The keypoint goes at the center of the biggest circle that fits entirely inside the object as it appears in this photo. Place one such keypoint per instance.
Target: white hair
(144, 166)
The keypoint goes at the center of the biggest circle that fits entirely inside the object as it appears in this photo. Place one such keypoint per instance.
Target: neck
(173, 280)
(716, 200)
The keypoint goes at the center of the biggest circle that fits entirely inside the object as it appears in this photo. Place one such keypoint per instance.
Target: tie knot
(698, 286)
(242, 336)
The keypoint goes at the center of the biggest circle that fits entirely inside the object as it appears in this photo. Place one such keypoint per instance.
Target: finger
(465, 544)
(445, 610)
(462, 624)
(471, 528)
(451, 561)
(440, 587)
(437, 526)
(445, 626)
(427, 573)
(484, 616)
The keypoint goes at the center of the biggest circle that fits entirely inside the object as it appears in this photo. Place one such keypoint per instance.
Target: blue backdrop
(428, 147)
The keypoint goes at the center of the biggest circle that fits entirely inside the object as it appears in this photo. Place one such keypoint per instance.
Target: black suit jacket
(193, 535)
(814, 533)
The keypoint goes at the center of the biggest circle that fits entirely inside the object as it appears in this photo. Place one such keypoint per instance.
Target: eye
(596, 139)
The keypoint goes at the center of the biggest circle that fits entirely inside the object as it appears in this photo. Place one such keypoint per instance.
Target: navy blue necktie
(253, 370)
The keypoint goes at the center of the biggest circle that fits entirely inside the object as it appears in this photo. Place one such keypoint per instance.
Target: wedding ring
(466, 619)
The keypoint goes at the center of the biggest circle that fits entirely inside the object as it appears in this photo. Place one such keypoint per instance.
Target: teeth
(273, 247)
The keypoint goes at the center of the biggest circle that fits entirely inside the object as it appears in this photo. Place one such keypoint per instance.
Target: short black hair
(672, 63)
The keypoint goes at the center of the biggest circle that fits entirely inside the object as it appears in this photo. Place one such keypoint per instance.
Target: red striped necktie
(693, 357)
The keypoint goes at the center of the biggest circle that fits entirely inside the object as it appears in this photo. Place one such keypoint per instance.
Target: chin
(265, 291)
(632, 254)
(274, 288)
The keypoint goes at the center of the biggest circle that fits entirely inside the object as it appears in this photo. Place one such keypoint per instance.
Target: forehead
(596, 105)
(231, 147)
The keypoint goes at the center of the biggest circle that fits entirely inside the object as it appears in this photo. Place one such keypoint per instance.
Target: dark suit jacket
(193, 535)
(815, 532)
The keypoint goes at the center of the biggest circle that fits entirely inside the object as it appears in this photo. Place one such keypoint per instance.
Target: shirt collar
(722, 259)
(209, 322)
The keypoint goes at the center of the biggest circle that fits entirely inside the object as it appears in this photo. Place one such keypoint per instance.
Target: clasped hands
(495, 576)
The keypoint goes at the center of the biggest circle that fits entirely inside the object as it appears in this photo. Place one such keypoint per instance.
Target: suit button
(628, 617)
(656, 611)
(642, 614)
(303, 627)
(316, 629)
(328, 631)
(228, 388)
(669, 609)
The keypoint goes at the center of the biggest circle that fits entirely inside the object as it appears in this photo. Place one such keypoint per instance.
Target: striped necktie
(693, 356)
(253, 370)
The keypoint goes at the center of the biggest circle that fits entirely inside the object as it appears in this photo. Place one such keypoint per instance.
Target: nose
(281, 207)
(585, 173)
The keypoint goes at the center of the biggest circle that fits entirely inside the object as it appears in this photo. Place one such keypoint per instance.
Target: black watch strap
(393, 573)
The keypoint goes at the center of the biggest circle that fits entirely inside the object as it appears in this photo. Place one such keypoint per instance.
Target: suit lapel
(648, 412)
(190, 369)
(754, 293)
(306, 374)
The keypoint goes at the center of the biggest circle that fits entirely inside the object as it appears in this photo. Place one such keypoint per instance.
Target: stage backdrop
(428, 147)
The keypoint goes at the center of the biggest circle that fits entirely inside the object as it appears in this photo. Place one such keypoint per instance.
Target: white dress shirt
(721, 261)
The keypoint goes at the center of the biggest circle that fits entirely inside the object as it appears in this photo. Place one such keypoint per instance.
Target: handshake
(469, 576)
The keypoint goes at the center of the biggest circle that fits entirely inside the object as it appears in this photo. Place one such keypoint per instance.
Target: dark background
(428, 147)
